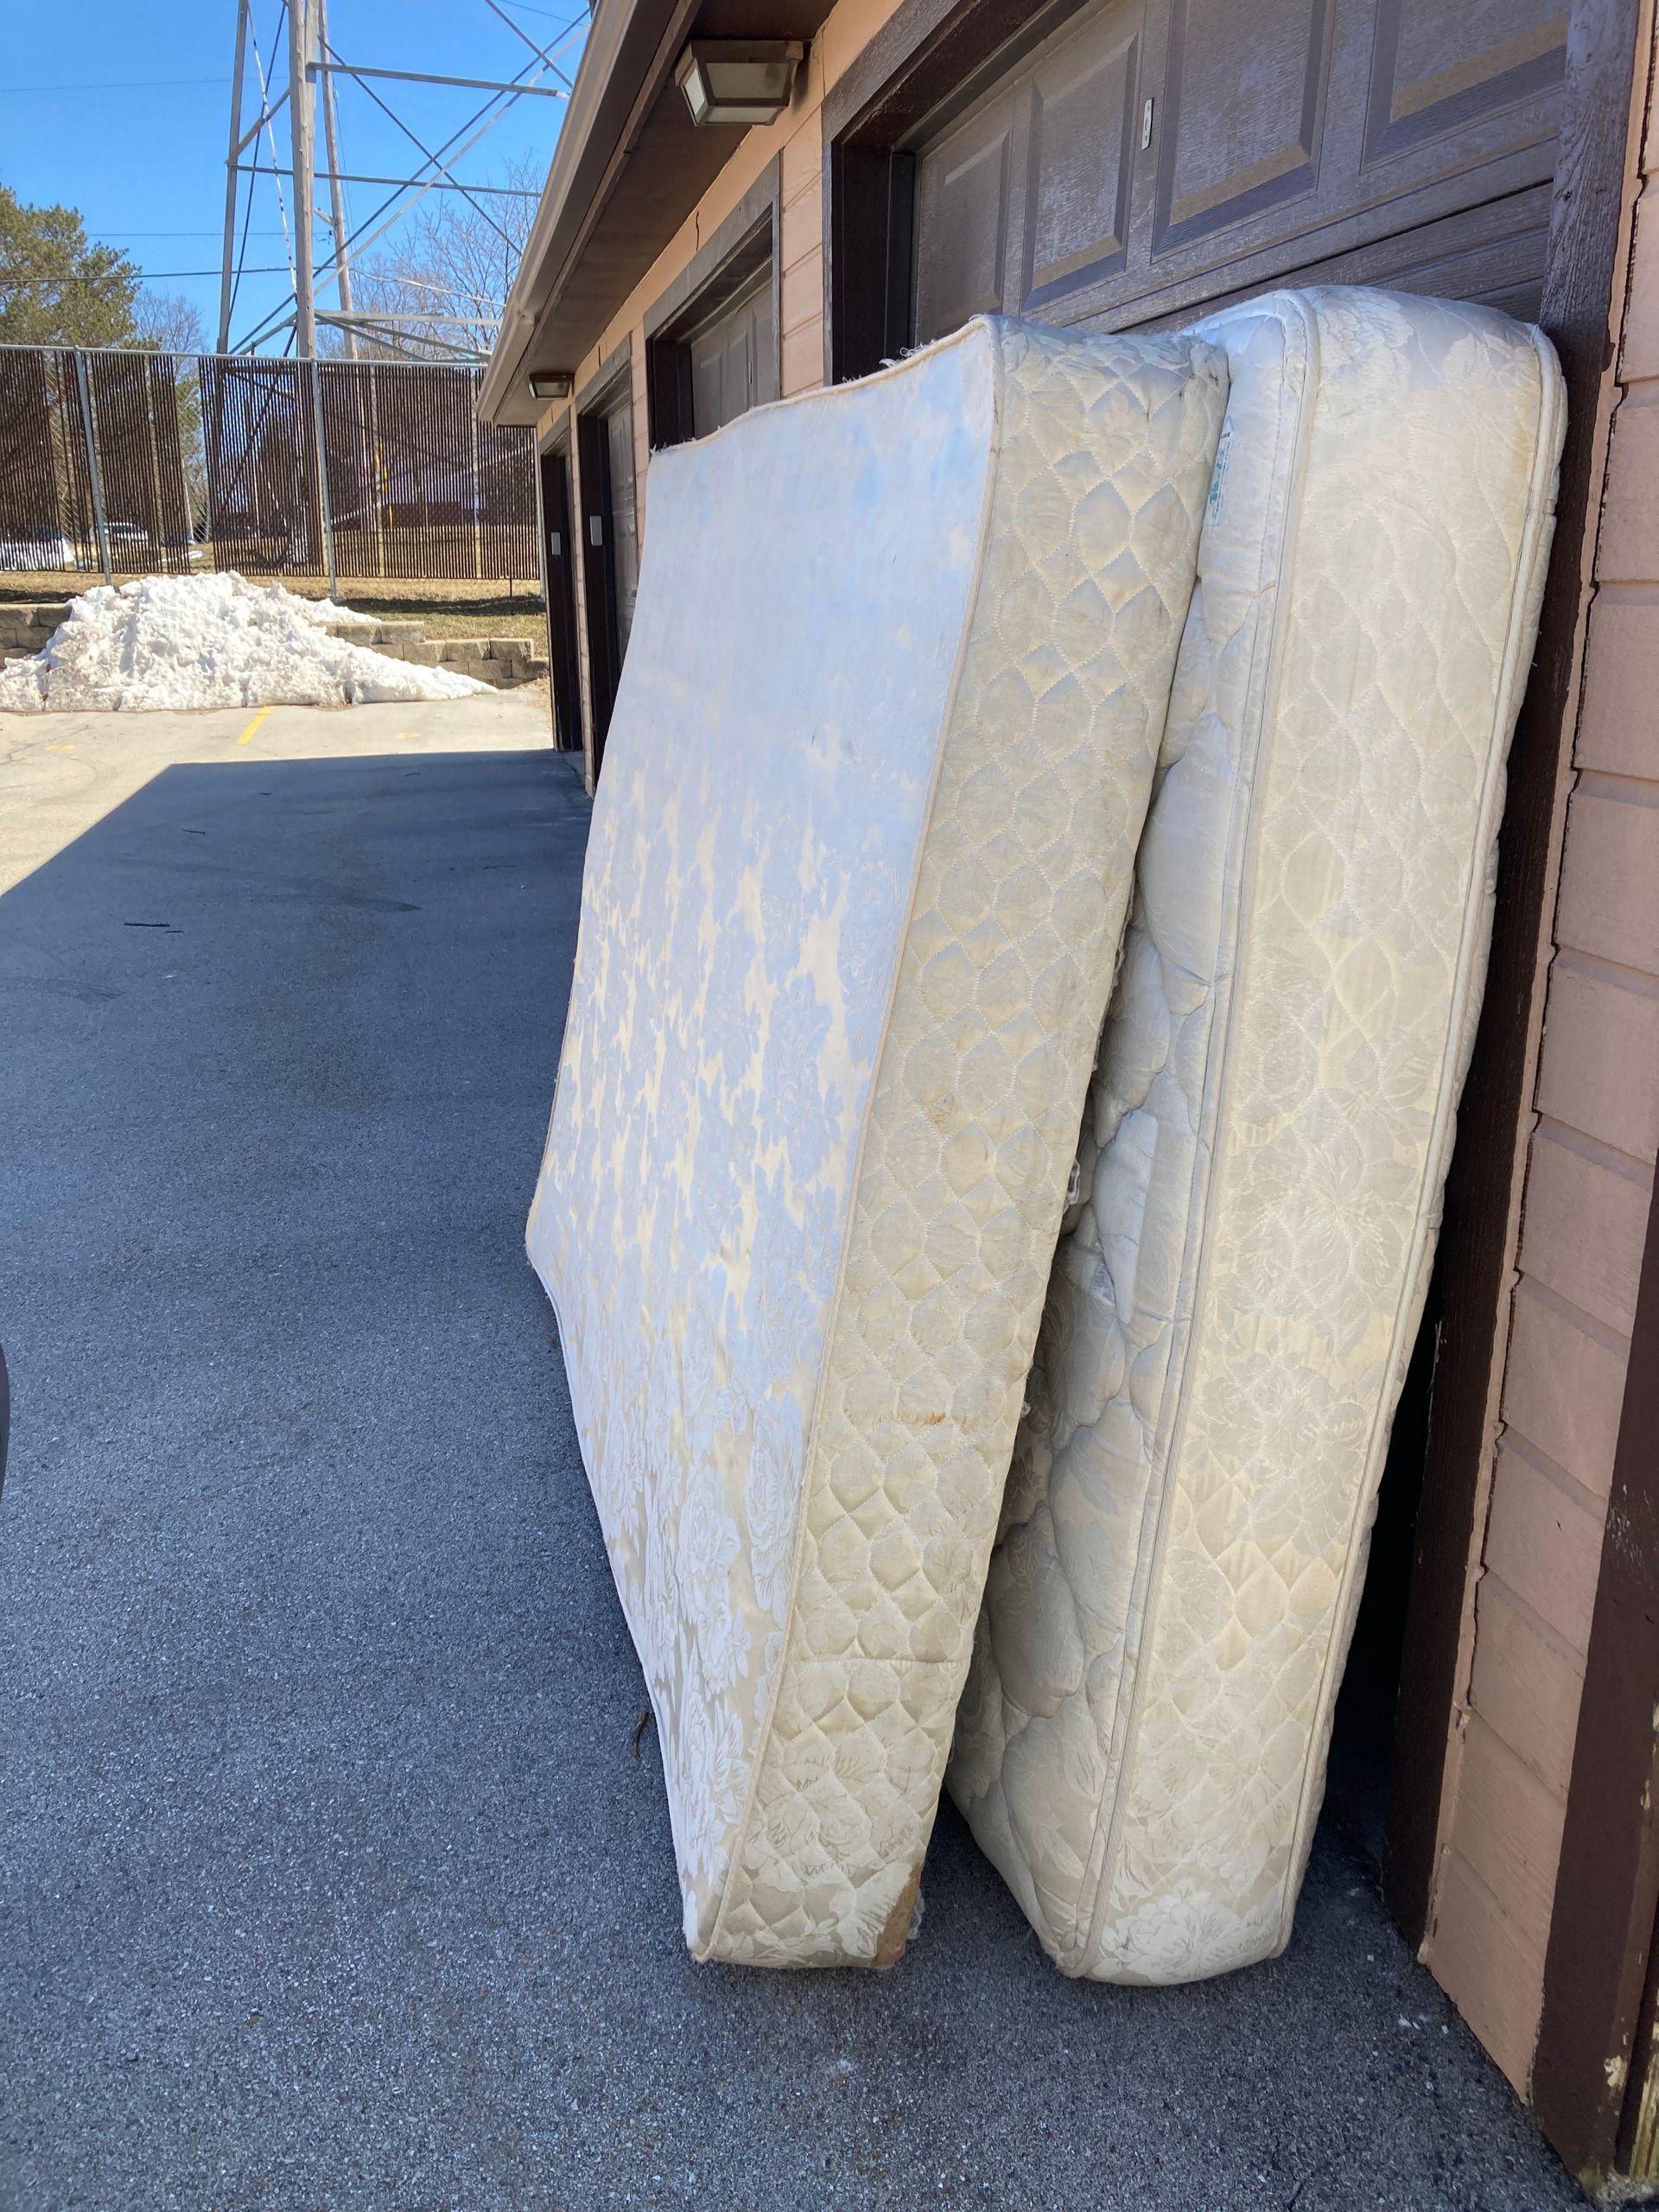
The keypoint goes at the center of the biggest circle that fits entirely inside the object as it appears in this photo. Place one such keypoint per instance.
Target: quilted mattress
(1141, 1745)
(857, 873)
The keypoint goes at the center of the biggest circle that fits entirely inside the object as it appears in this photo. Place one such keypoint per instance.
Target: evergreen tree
(55, 290)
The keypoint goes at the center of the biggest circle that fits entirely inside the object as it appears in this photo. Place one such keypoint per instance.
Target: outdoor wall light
(737, 79)
(549, 384)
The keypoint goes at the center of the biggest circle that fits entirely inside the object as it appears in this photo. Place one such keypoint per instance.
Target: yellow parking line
(248, 733)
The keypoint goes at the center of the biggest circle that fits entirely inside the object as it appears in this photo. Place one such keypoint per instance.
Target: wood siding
(1589, 1182)
(800, 258)
(796, 140)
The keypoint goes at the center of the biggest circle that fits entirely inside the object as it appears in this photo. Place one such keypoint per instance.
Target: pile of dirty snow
(210, 641)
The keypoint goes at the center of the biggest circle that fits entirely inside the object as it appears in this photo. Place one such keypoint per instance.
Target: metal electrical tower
(285, 122)
(302, 137)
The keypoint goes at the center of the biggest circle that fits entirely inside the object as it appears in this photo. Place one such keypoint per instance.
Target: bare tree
(166, 322)
(441, 287)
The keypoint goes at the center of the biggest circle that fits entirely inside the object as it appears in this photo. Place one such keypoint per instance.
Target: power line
(318, 67)
(146, 275)
(482, 116)
(519, 31)
(266, 113)
(132, 84)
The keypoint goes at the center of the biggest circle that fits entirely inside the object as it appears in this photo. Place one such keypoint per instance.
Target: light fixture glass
(549, 384)
(737, 79)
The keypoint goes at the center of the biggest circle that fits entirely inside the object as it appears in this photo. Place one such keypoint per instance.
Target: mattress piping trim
(1108, 1836)
(1537, 530)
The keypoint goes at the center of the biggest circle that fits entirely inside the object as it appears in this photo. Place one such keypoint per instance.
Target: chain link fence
(136, 463)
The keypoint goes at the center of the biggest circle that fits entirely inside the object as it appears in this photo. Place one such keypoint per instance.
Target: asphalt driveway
(330, 1874)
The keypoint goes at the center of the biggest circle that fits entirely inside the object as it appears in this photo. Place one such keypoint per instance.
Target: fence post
(99, 522)
(477, 486)
(374, 466)
(151, 374)
(322, 480)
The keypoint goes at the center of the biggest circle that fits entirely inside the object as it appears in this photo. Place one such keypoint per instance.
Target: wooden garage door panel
(1436, 69)
(962, 230)
(1244, 97)
(708, 380)
(1494, 254)
(625, 520)
(1082, 122)
(1288, 136)
(735, 360)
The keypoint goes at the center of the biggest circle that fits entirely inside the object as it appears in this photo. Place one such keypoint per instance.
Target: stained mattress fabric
(1141, 1746)
(857, 873)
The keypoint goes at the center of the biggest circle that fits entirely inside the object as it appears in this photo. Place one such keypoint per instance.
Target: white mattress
(858, 870)
(1141, 1746)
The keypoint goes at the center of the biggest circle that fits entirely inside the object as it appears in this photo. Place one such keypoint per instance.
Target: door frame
(931, 60)
(559, 558)
(1591, 213)
(725, 265)
(598, 538)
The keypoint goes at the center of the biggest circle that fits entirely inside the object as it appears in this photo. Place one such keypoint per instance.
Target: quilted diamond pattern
(1141, 1745)
(974, 1126)
(803, 1771)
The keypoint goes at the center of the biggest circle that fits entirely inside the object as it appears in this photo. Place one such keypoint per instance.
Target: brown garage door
(734, 359)
(1151, 157)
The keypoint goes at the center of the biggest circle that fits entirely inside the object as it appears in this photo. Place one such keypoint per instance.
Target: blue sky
(127, 119)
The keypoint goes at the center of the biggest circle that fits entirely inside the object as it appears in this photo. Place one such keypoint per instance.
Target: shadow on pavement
(331, 1878)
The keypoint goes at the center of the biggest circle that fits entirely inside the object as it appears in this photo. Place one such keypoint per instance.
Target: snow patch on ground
(37, 553)
(210, 641)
